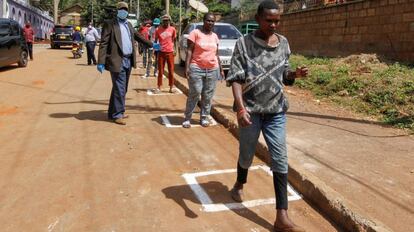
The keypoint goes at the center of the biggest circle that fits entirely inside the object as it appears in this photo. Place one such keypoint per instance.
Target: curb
(332, 204)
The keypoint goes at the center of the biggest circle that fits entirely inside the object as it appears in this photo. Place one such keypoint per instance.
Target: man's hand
(187, 73)
(301, 72)
(243, 118)
(100, 67)
(222, 76)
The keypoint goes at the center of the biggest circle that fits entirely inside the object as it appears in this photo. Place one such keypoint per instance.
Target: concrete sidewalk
(358, 172)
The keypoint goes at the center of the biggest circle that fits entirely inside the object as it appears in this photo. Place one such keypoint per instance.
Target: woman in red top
(29, 35)
(202, 70)
(166, 35)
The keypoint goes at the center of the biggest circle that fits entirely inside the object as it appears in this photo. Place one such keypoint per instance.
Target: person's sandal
(237, 194)
(156, 91)
(204, 122)
(173, 91)
(186, 124)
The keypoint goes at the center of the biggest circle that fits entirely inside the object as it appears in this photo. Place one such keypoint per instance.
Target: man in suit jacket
(117, 55)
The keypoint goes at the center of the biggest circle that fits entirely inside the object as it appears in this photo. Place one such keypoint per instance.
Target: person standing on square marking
(166, 35)
(202, 70)
(258, 72)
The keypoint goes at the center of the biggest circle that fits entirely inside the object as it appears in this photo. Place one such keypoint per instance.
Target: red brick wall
(385, 27)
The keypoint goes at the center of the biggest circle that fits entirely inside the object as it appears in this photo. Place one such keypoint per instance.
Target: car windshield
(225, 31)
(61, 30)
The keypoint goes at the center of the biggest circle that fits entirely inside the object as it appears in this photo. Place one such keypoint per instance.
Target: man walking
(91, 36)
(259, 70)
(29, 35)
(117, 55)
(166, 36)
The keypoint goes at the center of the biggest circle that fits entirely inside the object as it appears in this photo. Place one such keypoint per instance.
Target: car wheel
(23, 59)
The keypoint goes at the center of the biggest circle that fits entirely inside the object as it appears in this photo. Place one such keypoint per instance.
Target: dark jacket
(110, 49)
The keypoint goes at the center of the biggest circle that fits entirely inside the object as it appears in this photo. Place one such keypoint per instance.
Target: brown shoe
(294, 228)
(237, 194)
(120, 121)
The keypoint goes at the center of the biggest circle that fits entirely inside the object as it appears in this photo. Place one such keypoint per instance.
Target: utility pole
(4, 9)
(92, 12)
(138, 16)
(167, 7)
(55, 10)
(179, 23)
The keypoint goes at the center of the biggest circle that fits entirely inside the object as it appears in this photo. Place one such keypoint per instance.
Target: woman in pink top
(202, 70)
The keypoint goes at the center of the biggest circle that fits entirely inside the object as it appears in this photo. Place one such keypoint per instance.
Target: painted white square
(167, 123)
(209, 206)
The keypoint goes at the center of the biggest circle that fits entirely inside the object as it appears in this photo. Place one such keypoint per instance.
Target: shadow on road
(218, 193)
(94, 115)
(300, 117)
(8, 68)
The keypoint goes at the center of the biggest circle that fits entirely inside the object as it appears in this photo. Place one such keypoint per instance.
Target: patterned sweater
(262, 71)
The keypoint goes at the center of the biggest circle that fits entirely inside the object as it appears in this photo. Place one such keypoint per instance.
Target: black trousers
(30, 47)
(279, 184)
(90, 51)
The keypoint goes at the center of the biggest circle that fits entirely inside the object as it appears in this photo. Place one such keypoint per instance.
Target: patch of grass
(363, 84)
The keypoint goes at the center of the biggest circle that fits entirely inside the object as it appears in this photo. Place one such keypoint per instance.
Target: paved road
(64, 167)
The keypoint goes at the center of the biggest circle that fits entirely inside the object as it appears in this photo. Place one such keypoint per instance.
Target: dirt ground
(64, 167)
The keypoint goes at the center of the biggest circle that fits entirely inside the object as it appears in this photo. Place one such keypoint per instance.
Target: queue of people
(258, 73)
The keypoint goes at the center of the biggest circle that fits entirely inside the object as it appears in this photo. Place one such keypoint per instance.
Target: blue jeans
(119, 89)
(148, 62)
(201, 82)
(273, 127)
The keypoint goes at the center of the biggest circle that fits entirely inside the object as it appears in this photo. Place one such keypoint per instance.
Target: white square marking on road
(151, 92)
(209, 206)
(167, 123)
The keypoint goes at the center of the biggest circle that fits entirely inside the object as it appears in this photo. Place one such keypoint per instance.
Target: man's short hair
(267, 5)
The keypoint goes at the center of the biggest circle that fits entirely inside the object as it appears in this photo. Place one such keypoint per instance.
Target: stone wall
(384, 27)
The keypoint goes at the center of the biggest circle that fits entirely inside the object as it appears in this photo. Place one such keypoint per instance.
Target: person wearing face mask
(91, 36)
(117, 55)
(29, 35)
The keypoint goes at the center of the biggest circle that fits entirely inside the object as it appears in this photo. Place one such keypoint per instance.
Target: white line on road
(150, 92)
(208, 205)
(167, 122)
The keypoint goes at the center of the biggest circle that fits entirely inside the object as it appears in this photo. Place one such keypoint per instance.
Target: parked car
(227, 34)
(13, 46)
(61, 36)
(247, 27)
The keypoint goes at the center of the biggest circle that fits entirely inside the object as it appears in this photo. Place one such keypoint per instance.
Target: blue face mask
(122, 14)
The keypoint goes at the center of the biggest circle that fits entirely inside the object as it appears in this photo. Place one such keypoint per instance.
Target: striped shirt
(262, 72)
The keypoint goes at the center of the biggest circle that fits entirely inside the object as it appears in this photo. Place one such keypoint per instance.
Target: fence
(300, 5)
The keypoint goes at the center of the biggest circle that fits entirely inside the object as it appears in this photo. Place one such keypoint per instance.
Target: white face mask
(90, 26)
